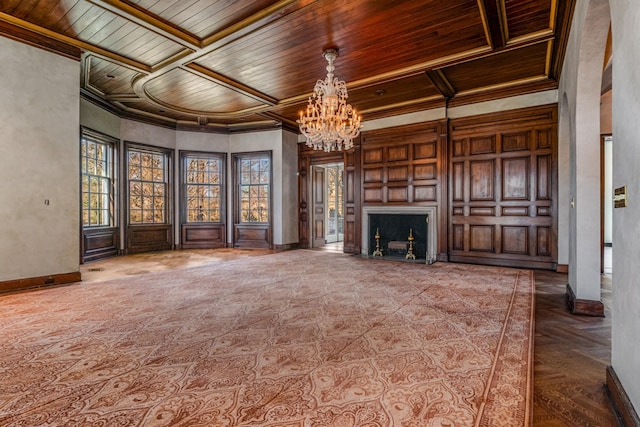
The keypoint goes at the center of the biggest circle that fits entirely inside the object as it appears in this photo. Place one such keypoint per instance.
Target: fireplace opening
(394, 231)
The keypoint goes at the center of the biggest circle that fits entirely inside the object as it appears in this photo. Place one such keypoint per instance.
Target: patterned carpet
(300, 338)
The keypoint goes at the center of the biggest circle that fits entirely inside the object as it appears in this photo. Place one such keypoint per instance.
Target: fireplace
(394, 224)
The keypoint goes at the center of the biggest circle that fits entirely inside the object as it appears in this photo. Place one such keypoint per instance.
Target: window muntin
(147, 174)
(97, 166)
(254, 188)
(203, 182)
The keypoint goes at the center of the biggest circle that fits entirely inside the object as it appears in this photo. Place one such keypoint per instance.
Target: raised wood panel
(543, 211)
(544, 139)
(398, 194)
(543, 240)
(318, 229)
(544, 177)
(318, 218)
(515, 141)
(372, 195)
(481, 211)
(457, 177)
(398, 153)
(252, 236)
(457, 210)
(481, 238)
(425, 150)
(373, 175)
(427, 171)
(515, 210)
(100, 243)
(515, 179)
(398, 173)
(353, 200)
(200, 236)
(515, 240)
(147, 238)
(372, 155)
(458, 237)
(424, 193)
(481, 180)
(458, 148)
(482, 145)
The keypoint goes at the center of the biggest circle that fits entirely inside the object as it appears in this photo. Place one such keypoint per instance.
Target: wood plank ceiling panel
(228, 63)
(187, 91)
(527, 17)
(108, 77)
(204, 17)
(373, 38)
(507, 66)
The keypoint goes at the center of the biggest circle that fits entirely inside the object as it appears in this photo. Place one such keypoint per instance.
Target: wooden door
(318, 221)
(502, 204)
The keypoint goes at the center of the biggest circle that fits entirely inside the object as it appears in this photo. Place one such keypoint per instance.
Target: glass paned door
(335, 204)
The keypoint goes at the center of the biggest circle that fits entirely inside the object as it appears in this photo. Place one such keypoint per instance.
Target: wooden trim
(251, 234)
(583, 306)
(32, 38)
(134, 237)
(501, 262)
(562, 268)
(287, 247)
(620, 400)
(39, 282)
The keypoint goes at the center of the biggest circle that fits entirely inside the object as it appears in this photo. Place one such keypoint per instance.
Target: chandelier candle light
(329, 123)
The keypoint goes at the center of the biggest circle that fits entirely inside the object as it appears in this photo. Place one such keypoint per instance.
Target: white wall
(580, 83)
(265, 141)
(99, 119)
(39, 160)
(625, 327)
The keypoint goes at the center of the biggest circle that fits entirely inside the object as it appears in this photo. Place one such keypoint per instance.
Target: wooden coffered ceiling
(226, 65)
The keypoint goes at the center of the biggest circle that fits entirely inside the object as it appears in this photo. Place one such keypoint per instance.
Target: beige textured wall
(39, 123)
(625, 328)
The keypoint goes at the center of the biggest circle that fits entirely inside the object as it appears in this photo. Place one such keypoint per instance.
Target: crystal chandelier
(329, 123)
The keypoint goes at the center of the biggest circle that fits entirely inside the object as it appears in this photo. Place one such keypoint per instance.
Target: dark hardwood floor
(571, 352)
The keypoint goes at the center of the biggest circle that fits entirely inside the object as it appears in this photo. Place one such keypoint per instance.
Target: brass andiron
(410, 254)
(377, 251)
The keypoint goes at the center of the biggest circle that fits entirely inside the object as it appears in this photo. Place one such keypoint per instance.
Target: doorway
(328, 206)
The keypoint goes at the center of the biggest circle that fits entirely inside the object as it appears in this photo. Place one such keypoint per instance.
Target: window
(203, 186)
(254, 187)
(148, 185)
(97, 166)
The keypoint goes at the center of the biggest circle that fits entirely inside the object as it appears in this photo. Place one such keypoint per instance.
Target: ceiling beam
(495, 22)
(441, 83)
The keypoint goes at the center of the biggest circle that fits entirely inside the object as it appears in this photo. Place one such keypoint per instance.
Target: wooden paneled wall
(407, 166)
(502, 180)
(492, 179)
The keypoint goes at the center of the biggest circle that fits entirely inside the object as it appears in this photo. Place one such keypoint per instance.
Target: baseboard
(583, 306)
(287, 247)
(562, 268)
(621, 403)
(39, 282)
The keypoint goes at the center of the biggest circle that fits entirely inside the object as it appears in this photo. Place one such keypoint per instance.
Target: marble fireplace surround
(432, 229)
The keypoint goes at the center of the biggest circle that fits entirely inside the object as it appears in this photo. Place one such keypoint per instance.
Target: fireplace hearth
(394, 232)
(394, 223)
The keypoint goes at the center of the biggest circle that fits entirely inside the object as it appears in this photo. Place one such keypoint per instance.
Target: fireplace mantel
(432, 228)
